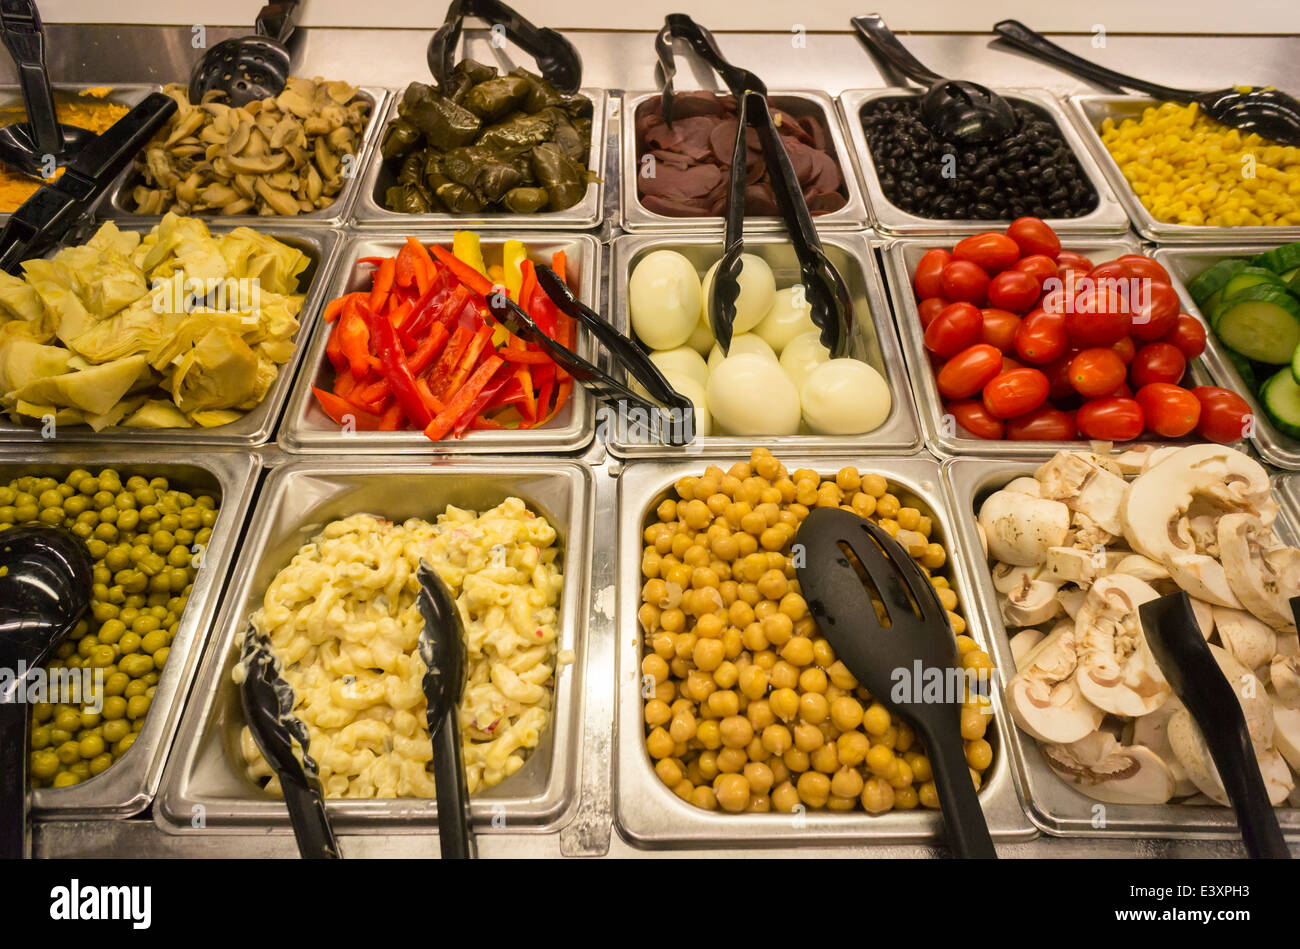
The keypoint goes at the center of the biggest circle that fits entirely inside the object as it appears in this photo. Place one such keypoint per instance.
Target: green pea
(122, 746)
(153, 640)
(91, 747)
(124, 501)
(25, 513)
(65, 649)
(102, 498)
(100, 763)
(184, 538)
(169, 522)
(44, 764)
(160, 659)
(150, 514)
(163, 541)
(84, 531)
(50, 498)
(98, 549)
(144, 624)
(203, 536)
(42, 712)
(52, 516)
(109, 515)
(85, 644)
(138, 706)
(7, 493)
(128, 520)
(103, 656)
(68, 752)
(106, 532)
(115, 684)
(118, 728)
(134, 687)
(116, 595)
(101, 574)
(191, 518)
(58, 736)
(67, 718)
(136, 482)
(128, 644)
(8, 514)
(111, 631)
(158, 484)
(79, 769)
(41, 737)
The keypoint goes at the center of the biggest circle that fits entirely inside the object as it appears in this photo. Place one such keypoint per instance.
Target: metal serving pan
(946, 439)
(888, 218)
(129, 784)
(117, 202)
(1088, 112)
(874, 341)
(1052, 805)
(1184, 264)
(799, 103)
(650, 815)
(258, 424)
(308, 429)
(369, 210)
(206, 775)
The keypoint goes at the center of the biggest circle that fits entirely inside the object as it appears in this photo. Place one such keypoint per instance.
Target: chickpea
(657, 712)
(785, 798)
(846, 713)
(669, 771)
(731, 760)
(813, 708)
(777, 739)
(683, 726)
(759, 713)
(812, 679)
(851, 748)
(704, 797)
(723, 703)
(928, 794)
(753, 682)
(825, 759)
(813, 788)
(877, 796)
(876, 719)
(732, 792)
(973, 723)
(979, 754)
(808, 737)
(920, 765)
(708, 734)
(784, 675)
(846, 783)
(708, 654)
(759, 776)
(798, 651)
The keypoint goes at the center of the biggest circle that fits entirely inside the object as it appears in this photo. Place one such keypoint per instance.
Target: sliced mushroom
(1152, 730)
(1072, 601)
(1117, 672)
(1029, 486)
(1023, 642)
(1078, 480)
(1244, 544)
(1105, 770)
(1141, 457)
(1284, 676)
(1251, 642)
(1020, 528)
(1079, 566)
(1031, 602)
(1044, 696)
(1141, 568)
(1286, 732)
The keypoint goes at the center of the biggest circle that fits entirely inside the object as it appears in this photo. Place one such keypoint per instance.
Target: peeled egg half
(802, 355)
(744, 343)
(682, 361)
(757, 291)
(750, 395)
(844, 397)
(663, 299)
(790, 316)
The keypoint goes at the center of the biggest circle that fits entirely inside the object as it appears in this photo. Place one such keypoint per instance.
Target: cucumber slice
(1249, 277)
(1261, 322)
(1212, 278)
(1279, 259)
(1293, 283)
(1245, 368)
(1290, 275)
(1281, 398)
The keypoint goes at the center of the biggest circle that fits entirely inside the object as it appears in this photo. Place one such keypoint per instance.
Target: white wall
(1120, 16)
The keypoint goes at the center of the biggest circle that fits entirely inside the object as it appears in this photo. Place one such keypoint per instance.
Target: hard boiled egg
(844, 397)
(757, 291)
(790, 316)
(701, 339)
(682, 361)
(663, 298)
(802, 355)
(694, 390)
(750, 395)
(744, 343)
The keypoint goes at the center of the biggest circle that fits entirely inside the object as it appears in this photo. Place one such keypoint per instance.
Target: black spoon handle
(963, 818)
(455, 836)
(25, 40)
(1043, 49)
(15, 840)
(872, 29)
(311, 828)
(277, 20)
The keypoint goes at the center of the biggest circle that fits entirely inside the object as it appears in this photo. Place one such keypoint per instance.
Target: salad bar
(601, 355)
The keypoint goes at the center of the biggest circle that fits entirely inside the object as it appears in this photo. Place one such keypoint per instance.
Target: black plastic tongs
(1180, 649)
(680, 26)
(627, 355)
(557, 59)
(47, 215)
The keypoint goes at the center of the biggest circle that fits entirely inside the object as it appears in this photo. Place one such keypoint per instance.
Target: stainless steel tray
(1184, 264)
(308, 429)
(369, 210)
(943, 440)
(1108, 217)
(874, 340)
(650, 815)
(117, 202)
(257, 425)
(206, 775)
(129, 784)
(1088, 112)
(799, 103)
(1054, 806)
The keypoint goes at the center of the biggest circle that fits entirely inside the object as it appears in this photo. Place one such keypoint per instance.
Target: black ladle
(1185, 659)
(557, 59)
(1269, 112)
(282, 738)
(46, 576)
(39, 145)
(954, 110)
(250, 67)
(845, 555)
(442, 647)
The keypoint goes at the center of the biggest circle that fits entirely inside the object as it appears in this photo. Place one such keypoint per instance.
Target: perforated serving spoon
(954, 110)
(46, 576)
(250, 67)
(1270, 112)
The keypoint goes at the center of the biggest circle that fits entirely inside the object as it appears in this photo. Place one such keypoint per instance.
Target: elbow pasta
(344, 621)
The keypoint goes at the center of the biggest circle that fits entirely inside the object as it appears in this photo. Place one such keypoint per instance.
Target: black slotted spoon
(1269, 112)
(250, 67)
(918, 634)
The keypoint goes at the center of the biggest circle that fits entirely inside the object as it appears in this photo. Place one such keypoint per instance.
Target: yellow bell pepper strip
(466, 246)
(466, 274)
(464, 398)
(513, 253)
(343, 412)
(382, 284)
(394, 368)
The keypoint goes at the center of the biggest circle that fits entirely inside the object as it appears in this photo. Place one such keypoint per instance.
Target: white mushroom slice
(1137, 459)
(1117, 672)
(1007, 576)
(1141, 568)
(1072, 565)
(1245, 544)
(1031, 603)
(1286, 732)
(1071, 601)
(1251, 642)
(1078, 480)
(1204, 613)
(1020, 528)
(1278, 780)
(1104, 770)
(1284, 676)
(1152, 730)
(1086, 533)
(1044, 696)
(1288, 644)
(1022, 643)
(1029, 486)
(1193, 754)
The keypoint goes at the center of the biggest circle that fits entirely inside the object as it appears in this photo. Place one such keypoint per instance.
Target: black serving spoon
(845, 557)
(1269, 112)
(46, 576)
(282, 738)
(557, 59)
(954, 110)
(250, 67)
(1185, 659)
(680, 26)
(39, 145)
(442, 647)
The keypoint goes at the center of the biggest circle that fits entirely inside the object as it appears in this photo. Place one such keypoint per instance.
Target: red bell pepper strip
(396, 371)
(463, 271)
(425, 269)
(373, 261)
(467, 362)
(382, 285)
(431, 401)
(545, 313)
(451, 309)
(392, 418)
(544, 399)
(462, 400)
(334, 351)
(354, 340)
(558, 265)
(405, 266)
(524, 356)
(421, 315)
(428, 349)
(345, 385)
(340, 410)
(528, 288)
(503, 379)
(450, 358)
(561, 396)
(528, 407)
(334, 308)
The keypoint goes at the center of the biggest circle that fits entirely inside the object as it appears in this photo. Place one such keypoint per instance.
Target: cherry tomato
(1157, 362)
(1225, 416)
(1155, 309)
(1039, 266)
(1008, 364)
(1015, 392)
(966, 373)
(965, 281)
(991, 250)
(1043, 424)
(1015, 290)
(1000, 329)
(1123, 392)
(1033, 236)
(1188, 334)
(928, 268)
(1125, 349)
(1068, 258)
(1097, 372)
(1170, 410)
(1041, 337)
(1089, 327)
(972, 416)
(1144, 267)
(929, 308)
(1117, 420)
(957, 327)
(1058, 375)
